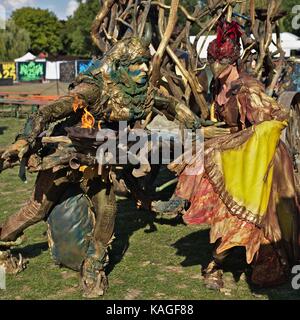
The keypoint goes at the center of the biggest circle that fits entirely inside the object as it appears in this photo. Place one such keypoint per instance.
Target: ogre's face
(138, 72)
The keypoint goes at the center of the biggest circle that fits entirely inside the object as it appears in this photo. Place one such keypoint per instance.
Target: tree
(77, 31)
(14, 42)
(43, 26)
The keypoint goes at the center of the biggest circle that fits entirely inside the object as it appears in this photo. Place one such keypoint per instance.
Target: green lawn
(150, 259)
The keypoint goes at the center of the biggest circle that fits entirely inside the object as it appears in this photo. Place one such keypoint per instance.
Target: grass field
(150, 258)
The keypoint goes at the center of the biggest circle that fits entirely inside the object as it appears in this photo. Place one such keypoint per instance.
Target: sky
(62, 8)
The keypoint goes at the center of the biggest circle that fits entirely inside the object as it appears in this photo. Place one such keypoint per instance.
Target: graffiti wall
(31, 71)
(7, 73)
(67, 71)
(83, 65)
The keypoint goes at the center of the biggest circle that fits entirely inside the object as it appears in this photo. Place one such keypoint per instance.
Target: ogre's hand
(215, 131)
(16, 150)
(186, 116)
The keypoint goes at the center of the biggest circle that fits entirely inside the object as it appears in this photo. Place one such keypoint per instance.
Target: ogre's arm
(175, 109)
(58, 110)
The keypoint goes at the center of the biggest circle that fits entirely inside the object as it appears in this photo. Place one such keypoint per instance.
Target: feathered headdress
(226, 47)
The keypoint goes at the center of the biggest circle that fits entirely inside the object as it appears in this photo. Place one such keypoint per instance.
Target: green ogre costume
(79, 205)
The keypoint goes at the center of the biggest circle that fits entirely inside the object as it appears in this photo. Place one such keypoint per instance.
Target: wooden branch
(252, 13)
(134, 22)
(144, 18)
(280, 66)
(107, 4)
(129, 26)
(112, 23)
(58, 139)
(164, 42)
(194, 83)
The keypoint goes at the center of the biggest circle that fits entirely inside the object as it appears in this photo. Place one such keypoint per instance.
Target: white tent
(27, 57)
(289, 42)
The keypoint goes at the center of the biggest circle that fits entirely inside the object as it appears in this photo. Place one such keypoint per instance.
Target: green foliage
(14, 42)
(43, 26)
(77, 30)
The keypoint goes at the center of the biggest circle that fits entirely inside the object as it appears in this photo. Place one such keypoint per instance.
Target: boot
(175, 205)
(213, 276)
(94, 281)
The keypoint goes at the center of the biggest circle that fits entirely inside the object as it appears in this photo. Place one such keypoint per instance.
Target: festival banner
(7, 71)
(31, 71)
(83, 65)
(67, 71)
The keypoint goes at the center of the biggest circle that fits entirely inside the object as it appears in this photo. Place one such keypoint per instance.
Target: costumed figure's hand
(15, 151)
(215, 130)
(186, 116)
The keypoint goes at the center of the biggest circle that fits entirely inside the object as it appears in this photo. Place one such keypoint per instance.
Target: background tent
(27, 57)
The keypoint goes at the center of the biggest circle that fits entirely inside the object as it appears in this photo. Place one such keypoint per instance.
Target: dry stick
(182, 8)
(107, 4)
(57, 139)
(252, 13)
(195, 15)
(279, 68)
(195, 85)
(144, 18)
(264, 42)
(242, 12)
(229, 13)
(125, 24)
(191, 78)
(176, 90)
(164, 42)
(192, 61)
(112, 24)
(270, 14)
(130, 5)
(134, 22)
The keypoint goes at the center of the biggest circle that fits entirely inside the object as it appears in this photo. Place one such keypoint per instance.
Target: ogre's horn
(147, 34)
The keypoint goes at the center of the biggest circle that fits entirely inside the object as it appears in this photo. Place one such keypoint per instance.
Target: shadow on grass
(196, 250)
(32, 250)
(283, 292)
(129, 219)
(3, 129)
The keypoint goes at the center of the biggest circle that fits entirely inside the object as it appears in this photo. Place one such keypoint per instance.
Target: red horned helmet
(226, 47)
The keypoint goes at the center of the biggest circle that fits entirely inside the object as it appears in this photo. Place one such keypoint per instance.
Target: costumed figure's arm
(175, 109)
(83, 93)
(256, 106)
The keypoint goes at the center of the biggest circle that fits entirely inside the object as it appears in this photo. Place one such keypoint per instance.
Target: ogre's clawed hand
(16, 150)
(186, 116)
